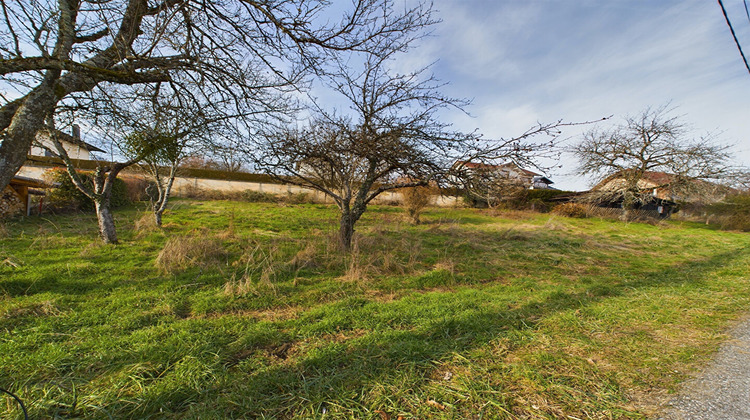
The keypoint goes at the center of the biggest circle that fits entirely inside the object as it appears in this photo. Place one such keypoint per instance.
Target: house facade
(667, 187)
(73, 145)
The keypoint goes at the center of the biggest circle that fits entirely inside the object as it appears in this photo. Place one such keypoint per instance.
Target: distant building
(73, 145)
(509, 172)
(664, 186)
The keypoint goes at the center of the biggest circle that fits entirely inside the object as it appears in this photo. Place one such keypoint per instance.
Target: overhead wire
(731, 29)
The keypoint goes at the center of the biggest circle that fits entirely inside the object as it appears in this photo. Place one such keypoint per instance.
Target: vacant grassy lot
(240, 310)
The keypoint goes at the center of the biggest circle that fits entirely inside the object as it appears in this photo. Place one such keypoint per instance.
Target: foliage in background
(733, 212)
(66, 196)
(541, 200)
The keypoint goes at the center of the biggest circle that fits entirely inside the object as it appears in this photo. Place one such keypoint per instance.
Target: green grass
(469, 315)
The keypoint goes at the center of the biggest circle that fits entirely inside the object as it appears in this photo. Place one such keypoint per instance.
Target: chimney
(76, 132)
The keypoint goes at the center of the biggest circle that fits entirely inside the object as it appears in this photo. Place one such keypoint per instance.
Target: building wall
(74, 151)
(184, 185)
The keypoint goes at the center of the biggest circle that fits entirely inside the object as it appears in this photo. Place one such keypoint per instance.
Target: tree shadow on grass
(339, 374)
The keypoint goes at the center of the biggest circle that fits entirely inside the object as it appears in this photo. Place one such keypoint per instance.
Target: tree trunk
(157, 217)
(27, 119)
(346, 231)
(106, 222)
(164, 193)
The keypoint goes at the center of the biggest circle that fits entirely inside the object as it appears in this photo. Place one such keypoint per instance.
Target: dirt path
(722, 390)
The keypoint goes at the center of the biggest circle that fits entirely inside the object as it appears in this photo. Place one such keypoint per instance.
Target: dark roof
(28, 182)
(78, 142)
(543, 179)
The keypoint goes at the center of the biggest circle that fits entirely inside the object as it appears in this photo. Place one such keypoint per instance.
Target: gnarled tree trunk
(106, 222)
(21, 119)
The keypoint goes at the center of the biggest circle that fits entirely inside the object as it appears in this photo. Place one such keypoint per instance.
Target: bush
(137, 188)
(571, 210)
(415, 199)
(66, 196)
(259, 197)
(733, 212)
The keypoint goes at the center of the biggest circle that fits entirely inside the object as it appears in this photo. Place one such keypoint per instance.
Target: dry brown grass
(576, 210)
(380, 253)
(146, 223)
(183, 252)
(45, 308)
(4, 233)
(260, 269)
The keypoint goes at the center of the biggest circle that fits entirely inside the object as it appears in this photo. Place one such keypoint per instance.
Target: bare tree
(150, 124)
(179, 123)
(52, 51)
(103, 179)
(652, 141)
(391, 139)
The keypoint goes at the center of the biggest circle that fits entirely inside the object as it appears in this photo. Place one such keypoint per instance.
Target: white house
(509, 172)
(76, 148)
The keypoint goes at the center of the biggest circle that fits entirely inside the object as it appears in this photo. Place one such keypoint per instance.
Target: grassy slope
(468, 315)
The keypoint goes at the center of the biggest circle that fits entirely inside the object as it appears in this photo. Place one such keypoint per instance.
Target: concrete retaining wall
(183, 185)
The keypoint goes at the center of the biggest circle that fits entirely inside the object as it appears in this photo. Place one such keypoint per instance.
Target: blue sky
(577, 60)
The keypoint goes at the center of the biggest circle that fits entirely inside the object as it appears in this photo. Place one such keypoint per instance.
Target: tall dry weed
(145, 223)
(415, 200)
(183, 252)
(380, 253)
(258, 274)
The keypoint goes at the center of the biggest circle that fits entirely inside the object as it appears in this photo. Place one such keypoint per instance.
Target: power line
(731, 29)
(15, 397)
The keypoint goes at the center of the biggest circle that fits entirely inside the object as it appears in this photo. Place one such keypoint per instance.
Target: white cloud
(524, 62)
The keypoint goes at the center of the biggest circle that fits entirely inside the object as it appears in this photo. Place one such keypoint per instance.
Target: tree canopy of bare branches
(390, 138)
(54, 52)
(653, 141)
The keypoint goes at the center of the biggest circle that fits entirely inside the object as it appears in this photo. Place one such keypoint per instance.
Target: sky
(523, 62)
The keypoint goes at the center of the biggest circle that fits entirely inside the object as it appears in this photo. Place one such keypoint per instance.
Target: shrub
(299, 198)
(733, 212)
(415, 199)
(259, 197)
(571, 210)
(66, 196)
(137, 187)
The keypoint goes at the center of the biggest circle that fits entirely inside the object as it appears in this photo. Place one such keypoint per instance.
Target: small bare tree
(652, 141)
(103, 179)
(179, 123)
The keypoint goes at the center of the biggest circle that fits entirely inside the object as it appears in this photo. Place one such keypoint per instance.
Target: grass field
(242, 310)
